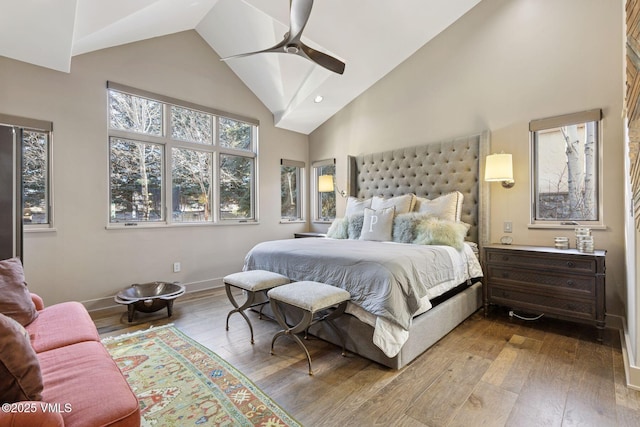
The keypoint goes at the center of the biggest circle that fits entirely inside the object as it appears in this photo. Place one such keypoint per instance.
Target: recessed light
(318, 99)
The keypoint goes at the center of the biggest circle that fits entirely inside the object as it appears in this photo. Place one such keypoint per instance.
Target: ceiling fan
(299, 15)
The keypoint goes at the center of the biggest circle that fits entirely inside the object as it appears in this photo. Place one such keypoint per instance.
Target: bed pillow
(447, 207)
(434, 231)
(15, 299)
(378, 224)
(339, 229)
(20, 375)
(354, 228)
(403, 204)
(356, 206)
(404, 226)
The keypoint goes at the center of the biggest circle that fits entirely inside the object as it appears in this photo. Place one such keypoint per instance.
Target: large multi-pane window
(291, 172)
(174, 162)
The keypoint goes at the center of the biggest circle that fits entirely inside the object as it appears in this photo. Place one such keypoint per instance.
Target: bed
(405, 296)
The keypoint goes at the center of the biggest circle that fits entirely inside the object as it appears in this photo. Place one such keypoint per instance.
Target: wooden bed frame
(427, 171)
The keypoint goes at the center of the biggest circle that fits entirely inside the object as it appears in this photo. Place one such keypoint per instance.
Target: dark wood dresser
(565, 284)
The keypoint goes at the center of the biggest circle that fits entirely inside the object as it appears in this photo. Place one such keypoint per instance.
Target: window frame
(21, 124)
(300, 173)
(317, 196)
(537, 127)
(169, 143)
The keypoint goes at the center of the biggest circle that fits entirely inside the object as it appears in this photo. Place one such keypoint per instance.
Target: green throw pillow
(433, 231)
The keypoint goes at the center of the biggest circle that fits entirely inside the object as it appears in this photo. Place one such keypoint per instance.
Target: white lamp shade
(499, 167)
(325, 183)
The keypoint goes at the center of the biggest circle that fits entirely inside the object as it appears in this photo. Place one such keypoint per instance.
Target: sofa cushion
(84, 377)
(15, 300)
(20, 376)
(61, 324)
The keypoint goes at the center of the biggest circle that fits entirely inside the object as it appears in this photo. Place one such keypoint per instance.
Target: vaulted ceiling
(371, 36)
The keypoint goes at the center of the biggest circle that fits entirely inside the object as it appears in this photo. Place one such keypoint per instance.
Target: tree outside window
(151, 135)
(566, 184)
(290, 190)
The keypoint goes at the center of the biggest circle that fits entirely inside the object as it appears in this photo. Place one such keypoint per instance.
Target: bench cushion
(256, 280)
(308, 295)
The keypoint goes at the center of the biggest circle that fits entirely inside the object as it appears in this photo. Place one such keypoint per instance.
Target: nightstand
(301, 235)
(565, 284)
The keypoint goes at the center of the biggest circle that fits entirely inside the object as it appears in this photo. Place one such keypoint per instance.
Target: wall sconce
(326, 184)
(499, 167)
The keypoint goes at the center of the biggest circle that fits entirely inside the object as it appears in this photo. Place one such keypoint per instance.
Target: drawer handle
(505, 258)
(571, 283)
(571, 264)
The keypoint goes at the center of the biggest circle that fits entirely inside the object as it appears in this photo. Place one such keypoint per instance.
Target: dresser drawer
(555, 262)
(574, 284)
(537, 303)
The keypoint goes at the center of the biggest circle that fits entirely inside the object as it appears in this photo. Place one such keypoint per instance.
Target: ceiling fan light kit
(298, 18)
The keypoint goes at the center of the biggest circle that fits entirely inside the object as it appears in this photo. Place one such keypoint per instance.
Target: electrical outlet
(508, 227)
(176, 267)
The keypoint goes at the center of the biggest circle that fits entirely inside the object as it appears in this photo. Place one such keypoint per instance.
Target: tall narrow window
(290, 184)
(566, 170)
(325, 201)
(35, 177)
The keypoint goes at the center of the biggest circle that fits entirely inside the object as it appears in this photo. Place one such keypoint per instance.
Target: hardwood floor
(493, 371)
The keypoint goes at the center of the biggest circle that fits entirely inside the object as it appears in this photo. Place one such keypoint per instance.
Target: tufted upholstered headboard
(428, 171)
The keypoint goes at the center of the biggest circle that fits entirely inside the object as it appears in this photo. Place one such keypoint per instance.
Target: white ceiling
(371, 36)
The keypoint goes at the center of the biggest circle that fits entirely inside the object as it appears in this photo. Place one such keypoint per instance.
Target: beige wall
(504, 63)
(82, 260)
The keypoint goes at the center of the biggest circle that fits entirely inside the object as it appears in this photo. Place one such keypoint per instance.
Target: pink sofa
(82, 384)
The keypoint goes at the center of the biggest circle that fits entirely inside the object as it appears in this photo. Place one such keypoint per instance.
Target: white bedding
(389, 282)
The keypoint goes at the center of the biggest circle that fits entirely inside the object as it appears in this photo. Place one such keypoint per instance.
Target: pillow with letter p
(378, 224)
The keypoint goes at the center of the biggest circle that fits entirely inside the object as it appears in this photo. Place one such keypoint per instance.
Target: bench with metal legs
(252, 282)
(318, 302)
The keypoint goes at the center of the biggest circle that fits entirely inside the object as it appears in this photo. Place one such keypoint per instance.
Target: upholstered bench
(252, 282)
(318, 302)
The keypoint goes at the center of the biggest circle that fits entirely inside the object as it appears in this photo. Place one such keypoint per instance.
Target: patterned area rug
(179, 382)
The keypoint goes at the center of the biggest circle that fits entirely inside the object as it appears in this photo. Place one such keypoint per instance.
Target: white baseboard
(631, 371)
(108, 302)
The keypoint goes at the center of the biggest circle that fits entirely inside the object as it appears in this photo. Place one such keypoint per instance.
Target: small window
(235, 134)
(290, 184)
(191, 125)
(35, 177)
(566, 179)
(325, 201)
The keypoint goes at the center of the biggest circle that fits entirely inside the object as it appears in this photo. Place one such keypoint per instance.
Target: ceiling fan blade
(322, 59)
(276, 49)
(300, 10)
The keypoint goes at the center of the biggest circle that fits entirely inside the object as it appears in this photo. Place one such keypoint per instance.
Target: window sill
(122, 226)
(566, 227)
(40, 230)
(293, 221)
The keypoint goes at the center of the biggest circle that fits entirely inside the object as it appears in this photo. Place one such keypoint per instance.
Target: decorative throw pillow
(404, 226)
(403, 204)
(20, 376)
(378, 224)
(356, 206)
(339, 229)
(355, 226)
(434, 231)
(447, 207)
(15, 299)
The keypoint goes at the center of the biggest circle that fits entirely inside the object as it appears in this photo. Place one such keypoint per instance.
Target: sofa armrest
(37, 301)
(35, 417)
